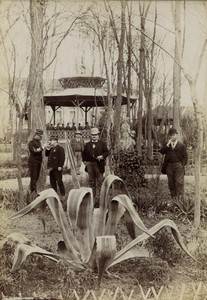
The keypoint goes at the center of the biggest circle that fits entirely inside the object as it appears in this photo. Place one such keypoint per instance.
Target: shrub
(12, 173)
(129, 167)
(164, 247)
(152, 199)
(184, 207)
(10, 199)
(7, 279)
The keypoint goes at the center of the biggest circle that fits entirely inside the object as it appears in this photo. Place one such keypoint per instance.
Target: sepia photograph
(103, 150)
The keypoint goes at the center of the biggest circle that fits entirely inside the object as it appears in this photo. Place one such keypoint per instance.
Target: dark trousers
(56, 178)
(78, 160)
(34, 170)
(95, 178)
(175, 173)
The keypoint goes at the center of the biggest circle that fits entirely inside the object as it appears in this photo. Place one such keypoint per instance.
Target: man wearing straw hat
(94, 155)
(77, 145)
(35, 160)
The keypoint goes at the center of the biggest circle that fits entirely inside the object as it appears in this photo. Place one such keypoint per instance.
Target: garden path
(13, 183)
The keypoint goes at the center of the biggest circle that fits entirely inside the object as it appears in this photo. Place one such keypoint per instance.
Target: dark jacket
(33, 145)
(181, 153)
(77, 145)
(90, 154)
(56, 157)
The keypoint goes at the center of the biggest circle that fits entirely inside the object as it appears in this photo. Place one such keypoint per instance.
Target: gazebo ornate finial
(82, 81)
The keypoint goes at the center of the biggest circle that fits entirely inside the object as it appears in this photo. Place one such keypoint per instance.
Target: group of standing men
(56, 159)
(93, 154)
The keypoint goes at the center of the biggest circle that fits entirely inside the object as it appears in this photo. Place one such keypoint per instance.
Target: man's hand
(100, 157)
(169, 142)
(45, 145)
(49, 170)
(59, 169)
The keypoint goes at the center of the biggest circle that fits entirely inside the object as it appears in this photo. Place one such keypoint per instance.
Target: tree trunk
(149, 94)
(18, 141)
(35, 81)
(198, 152)
(117, 106)
(141, 76)
(109, 105)
(149, 126)
(176, 68)
(129, 64)
(199, 122)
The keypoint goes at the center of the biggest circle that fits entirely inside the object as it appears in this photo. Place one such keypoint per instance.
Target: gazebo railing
(69, 133)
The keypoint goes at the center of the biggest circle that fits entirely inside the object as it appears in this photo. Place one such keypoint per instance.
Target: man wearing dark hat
(35, 160)
(56, 159)
(94, 155)
(174, 163)
(77, 145)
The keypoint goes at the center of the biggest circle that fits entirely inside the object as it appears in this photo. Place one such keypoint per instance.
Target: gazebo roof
(82, 81)
(82, 97)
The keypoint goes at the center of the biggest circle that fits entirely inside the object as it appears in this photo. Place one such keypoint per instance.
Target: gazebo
(84, 92)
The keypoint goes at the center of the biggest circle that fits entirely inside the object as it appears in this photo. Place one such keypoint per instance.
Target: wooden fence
(193, 291)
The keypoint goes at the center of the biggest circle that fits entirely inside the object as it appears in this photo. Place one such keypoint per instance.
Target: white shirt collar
(174, 144)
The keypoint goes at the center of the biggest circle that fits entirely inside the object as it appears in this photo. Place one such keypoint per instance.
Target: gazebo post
(86, 113)
(53, 109)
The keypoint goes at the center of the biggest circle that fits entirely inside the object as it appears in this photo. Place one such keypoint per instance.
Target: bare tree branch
(158, 45)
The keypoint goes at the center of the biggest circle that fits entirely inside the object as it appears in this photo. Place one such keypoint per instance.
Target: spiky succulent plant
(89, 233)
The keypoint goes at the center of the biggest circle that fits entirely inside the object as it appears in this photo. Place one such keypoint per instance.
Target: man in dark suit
(94, 155)
(56, 159)
(174, 163)
(77, 145)
(35, 160)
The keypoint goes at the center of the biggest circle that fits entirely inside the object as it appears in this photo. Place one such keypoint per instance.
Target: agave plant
(89, 233)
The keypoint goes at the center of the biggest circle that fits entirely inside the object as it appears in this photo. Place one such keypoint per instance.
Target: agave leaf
(129, 225)
(177, 236)
(96, 219)
(91, 263)
(35, 203)
(70, 154)
(17, 238)
(79, 209)
(144, 236)
(131, 254)
(55, 205)
(104, 200)
(75, 197)
(62, 249)
(23, 250)
(126, 202)
(105, 251)
(71, 243)
(115, 213)
(25, 247)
